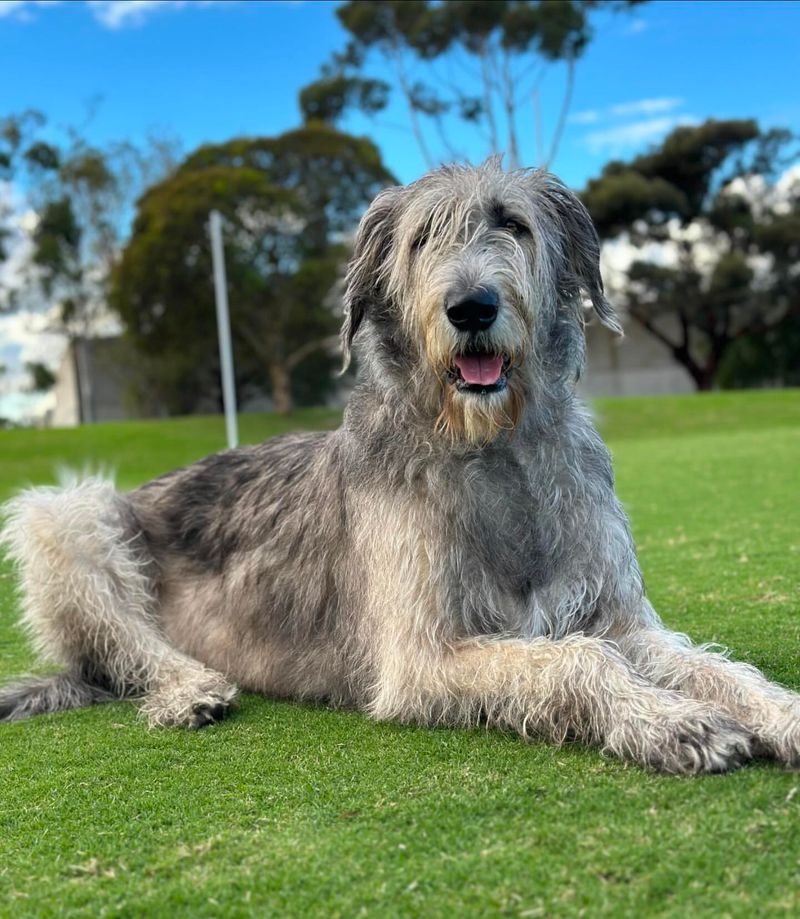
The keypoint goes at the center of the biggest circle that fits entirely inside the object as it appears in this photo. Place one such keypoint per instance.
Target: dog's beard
(476, 415)
(478, 419)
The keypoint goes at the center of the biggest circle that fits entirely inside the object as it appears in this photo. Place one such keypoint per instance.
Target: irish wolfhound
(453, 553)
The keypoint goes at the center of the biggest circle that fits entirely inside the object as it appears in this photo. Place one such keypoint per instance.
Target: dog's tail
(43, 695)
(85, 596)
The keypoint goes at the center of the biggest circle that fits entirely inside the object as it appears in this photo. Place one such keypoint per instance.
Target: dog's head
(469, 286)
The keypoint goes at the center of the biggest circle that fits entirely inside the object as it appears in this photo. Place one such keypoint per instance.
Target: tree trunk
(702, 374)
(705, 383)
(281, 388)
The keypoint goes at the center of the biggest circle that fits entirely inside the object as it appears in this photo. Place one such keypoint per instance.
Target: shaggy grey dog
(453, 553)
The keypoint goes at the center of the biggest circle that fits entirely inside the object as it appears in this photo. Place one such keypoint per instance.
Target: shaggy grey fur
(453, 553)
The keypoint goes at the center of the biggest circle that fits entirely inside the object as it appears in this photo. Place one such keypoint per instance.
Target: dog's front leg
(770, 711)
(578, 688)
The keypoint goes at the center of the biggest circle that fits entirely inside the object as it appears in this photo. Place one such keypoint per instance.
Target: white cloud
(784, 195)
(21, 9)
(646, 106)
(117, 14)
(617, 140)
(753, 188)
(590, 116)
(112, 14)
(636, 27)
(26, 407)
(19, 223)
(617, 255)
(27, 334)
(7, 7)
(31, 336)
(705, 243)
(789, 182)
(26, 337)
(779, 198)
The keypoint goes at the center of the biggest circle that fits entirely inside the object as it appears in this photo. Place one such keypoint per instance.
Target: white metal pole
(223, 327)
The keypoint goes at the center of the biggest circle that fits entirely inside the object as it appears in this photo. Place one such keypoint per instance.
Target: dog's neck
(385, 418)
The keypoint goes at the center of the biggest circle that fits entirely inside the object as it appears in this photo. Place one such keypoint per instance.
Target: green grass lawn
(293, 810)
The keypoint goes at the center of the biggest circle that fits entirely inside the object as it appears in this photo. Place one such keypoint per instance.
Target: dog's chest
(512, 533)
(507, 536)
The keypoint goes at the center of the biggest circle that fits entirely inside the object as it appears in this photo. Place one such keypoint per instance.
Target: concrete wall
(66, 413)
(637, 364)
(98, 367)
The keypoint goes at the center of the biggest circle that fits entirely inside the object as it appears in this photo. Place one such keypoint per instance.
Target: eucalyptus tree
(480, 63)
(710, 224)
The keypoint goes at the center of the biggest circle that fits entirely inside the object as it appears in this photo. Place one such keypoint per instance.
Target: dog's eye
(515, 227)
(419, 241)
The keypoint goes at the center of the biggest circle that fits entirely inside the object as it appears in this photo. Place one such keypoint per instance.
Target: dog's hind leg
(89, 604)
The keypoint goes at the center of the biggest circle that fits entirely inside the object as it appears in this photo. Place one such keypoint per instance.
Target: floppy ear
(581, 249)
(365, 273)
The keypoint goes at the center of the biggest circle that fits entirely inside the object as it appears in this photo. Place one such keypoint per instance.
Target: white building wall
(635, 365)
(66, 413)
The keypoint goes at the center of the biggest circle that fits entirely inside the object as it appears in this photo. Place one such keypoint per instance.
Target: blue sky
(208, 71)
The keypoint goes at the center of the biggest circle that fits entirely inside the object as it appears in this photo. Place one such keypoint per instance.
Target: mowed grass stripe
(296, 810)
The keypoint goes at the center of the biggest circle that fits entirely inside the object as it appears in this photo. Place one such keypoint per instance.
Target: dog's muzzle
(476, 370)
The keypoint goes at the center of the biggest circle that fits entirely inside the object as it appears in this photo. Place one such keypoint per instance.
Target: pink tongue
(480, 368)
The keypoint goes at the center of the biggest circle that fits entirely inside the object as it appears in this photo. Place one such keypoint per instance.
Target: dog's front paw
(211, 710)
(191, 701)
(685, 743)
(779, 735)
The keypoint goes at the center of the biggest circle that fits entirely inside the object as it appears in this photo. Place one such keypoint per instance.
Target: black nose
(475, 312)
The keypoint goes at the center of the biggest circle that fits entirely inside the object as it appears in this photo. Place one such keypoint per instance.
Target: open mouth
(480, 372)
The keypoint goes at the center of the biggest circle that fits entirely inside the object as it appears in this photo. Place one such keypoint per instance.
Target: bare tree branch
(684, 322)
(537, 127)
(562, 118)
(405, 87)
(329, 341)
(758, 325)
(254, 339)
(488, 102)
(507, 83)
(652, 329)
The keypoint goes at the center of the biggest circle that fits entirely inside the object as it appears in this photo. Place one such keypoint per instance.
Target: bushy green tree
(720, 285)
(288, 203)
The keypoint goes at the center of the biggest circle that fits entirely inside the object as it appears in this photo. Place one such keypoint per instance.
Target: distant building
(635, 365)
(92, 383)
(94, 377)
